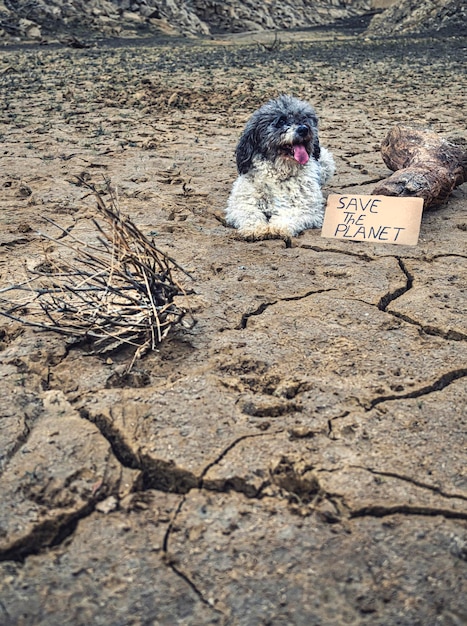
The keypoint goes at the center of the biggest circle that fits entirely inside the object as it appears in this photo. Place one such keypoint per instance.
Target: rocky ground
(297, 456)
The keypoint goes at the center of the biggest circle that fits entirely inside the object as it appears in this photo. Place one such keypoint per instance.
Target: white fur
(282, 168)
(279, 198)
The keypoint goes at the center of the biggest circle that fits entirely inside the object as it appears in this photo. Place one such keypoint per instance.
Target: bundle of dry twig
(115, 293)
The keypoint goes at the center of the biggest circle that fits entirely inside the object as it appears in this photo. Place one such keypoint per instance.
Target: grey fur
(263, 136)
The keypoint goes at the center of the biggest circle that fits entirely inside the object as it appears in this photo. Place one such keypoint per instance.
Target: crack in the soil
(169, 561)
(265, 305)
(53, 532)
(166, 476)
(359, 255)
(371, 181)
(46, 534)
(413, 481)
(397, 293)
(165, 541)
(191, 584)
(451, 335)
(406, 509)
(122, 452)
(230, 447)
(332, 419)
(446, 256)
(156, 473)
(246, 316)
(234, 483)
(441, 383)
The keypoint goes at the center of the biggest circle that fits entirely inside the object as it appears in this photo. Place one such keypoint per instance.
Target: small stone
(108, 505)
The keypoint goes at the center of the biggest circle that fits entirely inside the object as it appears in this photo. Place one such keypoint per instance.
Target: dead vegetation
(118, 292)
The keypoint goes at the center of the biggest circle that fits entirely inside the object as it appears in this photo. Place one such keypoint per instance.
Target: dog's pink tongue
(300, 154)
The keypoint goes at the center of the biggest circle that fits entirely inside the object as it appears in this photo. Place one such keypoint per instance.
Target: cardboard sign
(377, 219)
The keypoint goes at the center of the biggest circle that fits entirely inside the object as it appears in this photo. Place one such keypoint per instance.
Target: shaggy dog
(282, 168)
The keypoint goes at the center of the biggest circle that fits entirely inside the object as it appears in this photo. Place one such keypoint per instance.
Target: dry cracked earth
(298, 456)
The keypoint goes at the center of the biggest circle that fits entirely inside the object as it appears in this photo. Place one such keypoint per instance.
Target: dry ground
(298, 456)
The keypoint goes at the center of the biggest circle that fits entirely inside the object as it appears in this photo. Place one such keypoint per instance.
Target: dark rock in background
(413, 16)
(37, 20)
(46, 20)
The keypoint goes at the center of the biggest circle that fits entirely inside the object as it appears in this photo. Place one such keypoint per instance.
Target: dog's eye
(281, 121)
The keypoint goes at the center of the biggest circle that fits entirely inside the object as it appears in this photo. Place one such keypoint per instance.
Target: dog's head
(285, 129)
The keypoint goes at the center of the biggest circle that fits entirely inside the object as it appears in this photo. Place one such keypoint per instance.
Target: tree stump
(424, 164)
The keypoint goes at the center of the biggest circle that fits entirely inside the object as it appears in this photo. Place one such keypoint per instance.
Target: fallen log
(424, 164)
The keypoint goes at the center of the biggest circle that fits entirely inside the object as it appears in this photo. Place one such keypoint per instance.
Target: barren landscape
(297, 456)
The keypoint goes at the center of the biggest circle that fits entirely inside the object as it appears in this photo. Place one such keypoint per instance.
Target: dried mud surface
(298, 456)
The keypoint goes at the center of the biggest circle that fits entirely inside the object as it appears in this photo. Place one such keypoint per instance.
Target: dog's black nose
(302, 130)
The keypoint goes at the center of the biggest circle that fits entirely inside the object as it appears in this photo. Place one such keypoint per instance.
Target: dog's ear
(246, 149)
(313, 122)
(316, 148)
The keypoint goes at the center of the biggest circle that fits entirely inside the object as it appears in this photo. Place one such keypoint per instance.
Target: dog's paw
(254, 233)
(280, 232)
(266, 231)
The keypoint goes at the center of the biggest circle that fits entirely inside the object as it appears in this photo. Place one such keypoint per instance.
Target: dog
(282, 168)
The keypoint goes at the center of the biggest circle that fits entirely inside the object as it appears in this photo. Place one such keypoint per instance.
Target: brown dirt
(298, 456)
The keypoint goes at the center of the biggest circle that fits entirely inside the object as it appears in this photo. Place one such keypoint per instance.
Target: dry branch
(113, 293)
(425, 165)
